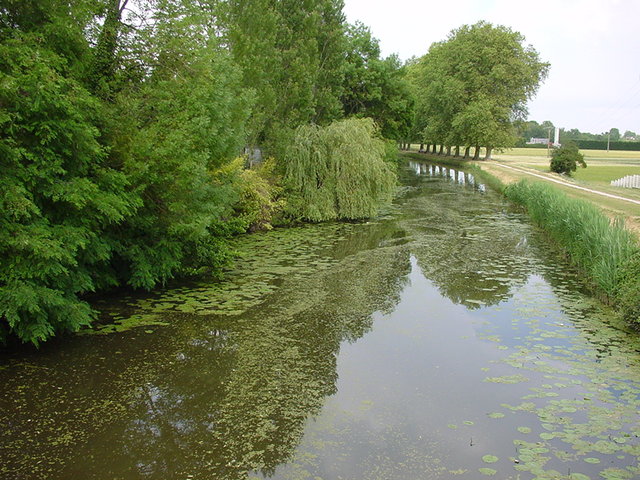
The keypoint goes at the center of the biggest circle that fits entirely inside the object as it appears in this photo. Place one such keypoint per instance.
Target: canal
(446, 339)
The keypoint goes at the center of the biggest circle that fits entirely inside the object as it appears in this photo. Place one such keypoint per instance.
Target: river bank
(606, 250)
(445, 339)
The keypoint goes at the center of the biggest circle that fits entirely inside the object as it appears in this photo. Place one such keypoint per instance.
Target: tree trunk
(488, 154)
(457, 154)
(422, 147)
(466, 152)
(476, 154)
(441, 149)
(449, 151)
(104, 60)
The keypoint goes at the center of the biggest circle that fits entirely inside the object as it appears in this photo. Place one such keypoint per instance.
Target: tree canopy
(376, 87)
(121, 122)
(124, 121)
(471, 87)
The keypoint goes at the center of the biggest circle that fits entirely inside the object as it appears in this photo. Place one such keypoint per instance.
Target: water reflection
(369, 350)
(459, 177)
(206, 395)
(476, 254)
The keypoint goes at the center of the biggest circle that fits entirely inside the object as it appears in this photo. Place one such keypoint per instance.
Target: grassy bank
(605, 251)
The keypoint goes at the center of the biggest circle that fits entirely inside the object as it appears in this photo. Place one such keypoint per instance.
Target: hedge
(602, 145)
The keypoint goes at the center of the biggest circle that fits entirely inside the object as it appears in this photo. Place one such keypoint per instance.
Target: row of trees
(531, 129)
(119, 124)
(120, 121)
(473, 87)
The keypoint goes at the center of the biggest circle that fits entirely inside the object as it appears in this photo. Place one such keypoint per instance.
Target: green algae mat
(443, 340)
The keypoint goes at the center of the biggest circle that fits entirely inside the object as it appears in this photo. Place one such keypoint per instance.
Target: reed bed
(607, 252)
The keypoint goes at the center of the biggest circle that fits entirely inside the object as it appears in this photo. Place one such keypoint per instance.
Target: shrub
(566, 159)
(337, 172)
(260, 195)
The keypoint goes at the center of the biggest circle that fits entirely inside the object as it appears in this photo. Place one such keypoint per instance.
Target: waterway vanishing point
(445, 339)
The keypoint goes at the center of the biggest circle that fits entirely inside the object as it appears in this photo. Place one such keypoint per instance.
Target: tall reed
(599, 246)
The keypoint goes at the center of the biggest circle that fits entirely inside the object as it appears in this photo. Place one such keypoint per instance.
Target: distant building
(535, 141)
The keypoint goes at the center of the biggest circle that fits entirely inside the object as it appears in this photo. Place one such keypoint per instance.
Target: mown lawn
(605, 173)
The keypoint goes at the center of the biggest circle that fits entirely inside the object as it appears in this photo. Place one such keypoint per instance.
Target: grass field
(602, 167)
(598, 173)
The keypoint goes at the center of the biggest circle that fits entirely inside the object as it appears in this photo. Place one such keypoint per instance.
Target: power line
(620, 109)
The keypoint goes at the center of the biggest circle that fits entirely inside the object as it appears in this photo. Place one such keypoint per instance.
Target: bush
(260, 195)
(337, 172)
(566, 159)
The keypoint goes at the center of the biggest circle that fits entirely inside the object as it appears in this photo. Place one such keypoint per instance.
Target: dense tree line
(473, 87)
(532, 129)
(123, 123)
(120, 121)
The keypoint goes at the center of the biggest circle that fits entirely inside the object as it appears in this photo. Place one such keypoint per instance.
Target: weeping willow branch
(338, 172)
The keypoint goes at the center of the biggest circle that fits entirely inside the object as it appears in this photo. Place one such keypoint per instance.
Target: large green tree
(475, 84)
(292, 55)
(376, 87)
(110, 155)
(170, 132)
(60, 191)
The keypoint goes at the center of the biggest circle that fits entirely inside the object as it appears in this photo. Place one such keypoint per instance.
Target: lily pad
(488, 471)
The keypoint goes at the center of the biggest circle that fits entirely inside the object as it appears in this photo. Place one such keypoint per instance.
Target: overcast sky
(593, 47)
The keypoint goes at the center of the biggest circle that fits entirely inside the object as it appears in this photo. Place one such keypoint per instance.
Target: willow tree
(338, 171)
(494, 74)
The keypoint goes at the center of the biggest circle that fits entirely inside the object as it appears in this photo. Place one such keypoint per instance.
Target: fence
(630, 181)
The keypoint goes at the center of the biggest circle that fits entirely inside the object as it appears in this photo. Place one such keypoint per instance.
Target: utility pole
(549, 141)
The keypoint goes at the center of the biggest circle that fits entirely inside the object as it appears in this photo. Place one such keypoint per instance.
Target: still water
(444, 340)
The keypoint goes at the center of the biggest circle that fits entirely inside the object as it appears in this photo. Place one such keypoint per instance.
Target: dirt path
(508, 174)
(554, 180)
